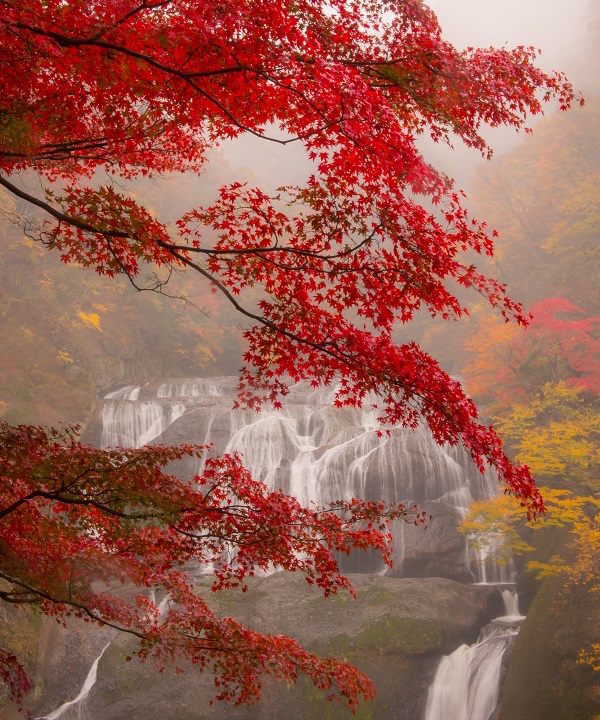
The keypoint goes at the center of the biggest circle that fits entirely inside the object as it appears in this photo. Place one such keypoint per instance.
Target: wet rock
(395, 630)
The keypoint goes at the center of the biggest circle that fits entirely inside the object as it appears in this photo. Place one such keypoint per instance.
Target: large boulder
(435, 551)
(396, 630)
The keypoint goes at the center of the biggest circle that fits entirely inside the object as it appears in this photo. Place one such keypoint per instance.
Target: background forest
(540, 388)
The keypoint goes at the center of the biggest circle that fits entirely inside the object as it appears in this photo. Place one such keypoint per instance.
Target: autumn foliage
(94, 94)
(507, 363)
(540, 384)
(75, 518)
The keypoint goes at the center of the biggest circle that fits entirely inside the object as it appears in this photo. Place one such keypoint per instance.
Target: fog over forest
(561, 30)
(558, 28)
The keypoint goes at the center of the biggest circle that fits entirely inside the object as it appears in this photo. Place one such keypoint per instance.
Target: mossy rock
(394, 632)
(392, 635)
(377, 596)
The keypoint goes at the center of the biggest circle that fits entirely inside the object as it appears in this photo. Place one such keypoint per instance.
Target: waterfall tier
(467, 682)
(318, 453)
(77, 703)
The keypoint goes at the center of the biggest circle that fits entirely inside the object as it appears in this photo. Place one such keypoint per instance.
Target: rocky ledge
(395, 630)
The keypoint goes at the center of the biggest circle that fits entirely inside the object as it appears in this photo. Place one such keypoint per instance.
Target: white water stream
(78, 702)
(76, 707)
(467, 682)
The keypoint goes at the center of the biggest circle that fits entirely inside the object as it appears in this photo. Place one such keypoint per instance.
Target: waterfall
(309, 447)
(189, 388)
(129, 423)
(315, 451)
(511, 604)
(129, 392)
(467, 682)
(321, 453)
(77, 702)
(486, 569)
(161, 606)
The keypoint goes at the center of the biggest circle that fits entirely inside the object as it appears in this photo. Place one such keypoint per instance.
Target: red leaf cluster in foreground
(78, 524)
(130, 88)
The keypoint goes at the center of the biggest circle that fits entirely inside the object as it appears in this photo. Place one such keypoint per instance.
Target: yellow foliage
(556, 435)
(501, 519)
(493, 523)
(64, 356)
(576, 231)
(33, 246)
(591, 657)
(493, 360)
(90, 319)
(203, 355)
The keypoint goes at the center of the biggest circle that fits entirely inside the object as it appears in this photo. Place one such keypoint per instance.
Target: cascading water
(467, 682)
(310, 449)
(78, 704)
(127, 423)
(511, 603)
(76, 708)
(485, 568)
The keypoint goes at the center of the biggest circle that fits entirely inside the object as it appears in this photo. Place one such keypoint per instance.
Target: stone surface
(395, 631)
(435, 551)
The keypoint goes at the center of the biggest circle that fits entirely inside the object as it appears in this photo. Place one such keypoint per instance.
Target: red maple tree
(129, 88)
(509, 364)
(76, 519)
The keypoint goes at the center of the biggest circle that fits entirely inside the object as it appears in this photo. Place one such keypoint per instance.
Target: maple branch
(190, 78)
(39, 594)
(84, 500)
(132, 13)
(331, 349)
(60, 216)
(240, 308)
(285, 249)
(17, 504)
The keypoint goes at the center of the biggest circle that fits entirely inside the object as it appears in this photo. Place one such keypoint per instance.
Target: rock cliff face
(20, 635)
(544, 679)
(395, 631)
